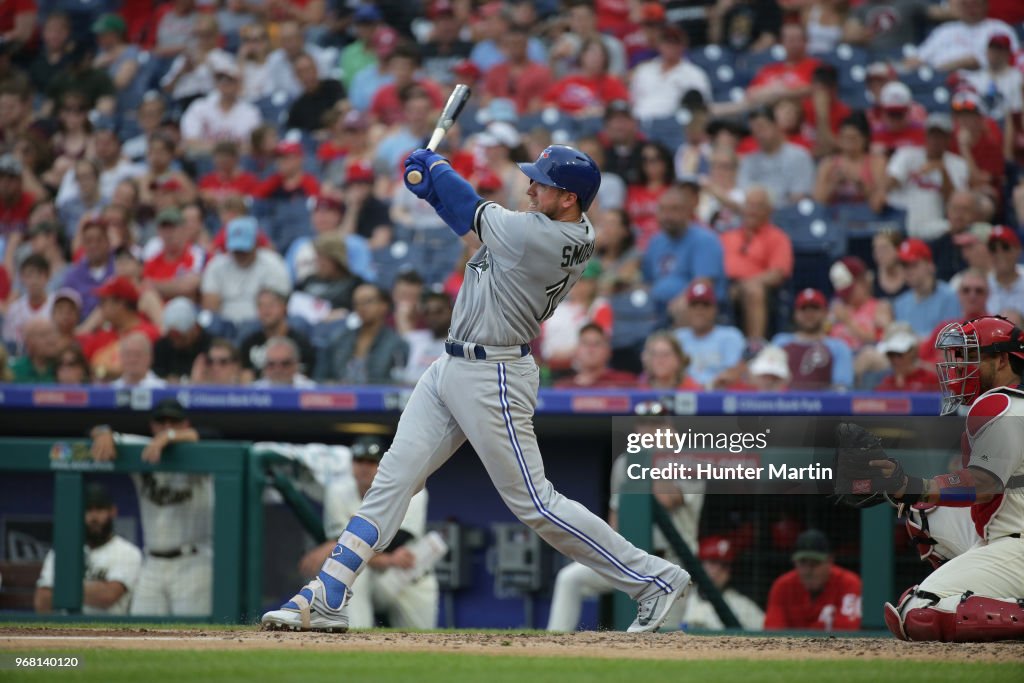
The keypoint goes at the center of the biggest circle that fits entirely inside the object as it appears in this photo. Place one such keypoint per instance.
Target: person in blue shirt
(817, 362)
(929, 301)
(683, 250)
(715, 351)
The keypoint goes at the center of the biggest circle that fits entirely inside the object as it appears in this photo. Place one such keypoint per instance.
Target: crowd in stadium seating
(796, 194)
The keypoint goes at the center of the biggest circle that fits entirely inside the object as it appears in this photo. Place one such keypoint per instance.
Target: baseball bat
(452, 108)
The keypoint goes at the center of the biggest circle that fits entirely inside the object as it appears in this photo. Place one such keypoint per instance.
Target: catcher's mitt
(858, 483)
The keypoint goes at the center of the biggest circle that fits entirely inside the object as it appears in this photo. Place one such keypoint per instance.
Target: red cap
(1001, 233)
(288, 147)
(1000, 40)
(488, 181)
(717, 548)
(170, 185)
(913, 249)
(359, 172)
(467, 69)
(118, 287)
(652, 13)
(810, 297)
(700, 291)
(325, 202)
(439, 7)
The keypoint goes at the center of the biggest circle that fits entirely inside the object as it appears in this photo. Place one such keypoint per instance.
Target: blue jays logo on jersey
(480, 266)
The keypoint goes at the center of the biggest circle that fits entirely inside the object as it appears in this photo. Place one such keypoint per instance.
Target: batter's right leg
(426, 438)
(574, 584)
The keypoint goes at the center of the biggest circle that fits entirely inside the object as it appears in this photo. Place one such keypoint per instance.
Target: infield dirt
(612, 645)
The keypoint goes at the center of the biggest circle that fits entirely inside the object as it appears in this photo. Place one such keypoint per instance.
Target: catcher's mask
(963, 344)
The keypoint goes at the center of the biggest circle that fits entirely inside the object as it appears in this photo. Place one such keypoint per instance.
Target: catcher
(978, 594)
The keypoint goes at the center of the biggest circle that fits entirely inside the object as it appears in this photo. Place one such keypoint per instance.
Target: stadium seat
(710, 57)
(667, 131)
(274, 108)
(922, 80)
(860, 220)
(811, 230)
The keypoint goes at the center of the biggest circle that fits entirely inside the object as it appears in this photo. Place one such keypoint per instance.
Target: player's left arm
(454, 199)
(102, 594)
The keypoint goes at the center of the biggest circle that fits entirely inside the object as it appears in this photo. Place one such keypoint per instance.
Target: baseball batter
(485, 390)
(978, 595)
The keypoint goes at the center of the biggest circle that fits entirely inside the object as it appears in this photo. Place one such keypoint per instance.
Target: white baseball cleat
(652, 612)
(308, 611)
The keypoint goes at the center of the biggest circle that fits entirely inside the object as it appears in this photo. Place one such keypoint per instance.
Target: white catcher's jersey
(995, 433)
(116, 560)
(513, 283)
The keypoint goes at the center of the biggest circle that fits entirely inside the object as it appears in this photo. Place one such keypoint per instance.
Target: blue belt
(479, 351)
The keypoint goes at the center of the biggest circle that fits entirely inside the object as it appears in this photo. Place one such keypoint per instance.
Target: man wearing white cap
(221, 115)
(896, 127)
(232, 281)
(175, 353)
(900, 346)
(769, 371)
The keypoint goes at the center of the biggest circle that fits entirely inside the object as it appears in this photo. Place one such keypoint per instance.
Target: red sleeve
(434, 90)
(247, 183)
(149, 329)
(554, 92)
(310, 185)
(5, 283)
(267, 187)
(775, 612)
(147, 269)
(762, 77)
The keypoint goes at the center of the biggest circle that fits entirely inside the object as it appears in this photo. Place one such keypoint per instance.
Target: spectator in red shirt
(585, 92)
(758, 259)
(119, 299)
(900, 346)
(402, 65)
(823, 111)
(517, 78)
(789, 78)
(15, 206)
(896, 127)
(175, 270)
(655, 175)
(665, 364)
(227, 179)
(816, 595)
(593, 353)
(979, 141)
(290, 178)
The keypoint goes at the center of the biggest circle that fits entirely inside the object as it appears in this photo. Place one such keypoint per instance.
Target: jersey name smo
(505, 296)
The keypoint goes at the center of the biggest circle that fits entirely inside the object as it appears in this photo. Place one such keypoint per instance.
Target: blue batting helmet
(567, 169)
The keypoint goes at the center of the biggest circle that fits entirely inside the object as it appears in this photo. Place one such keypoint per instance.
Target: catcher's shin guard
(976, 619)
(893, 614)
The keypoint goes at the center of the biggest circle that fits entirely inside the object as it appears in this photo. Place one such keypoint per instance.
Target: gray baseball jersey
(513, 283)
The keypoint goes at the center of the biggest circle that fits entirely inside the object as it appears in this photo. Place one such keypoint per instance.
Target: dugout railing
(240, 477)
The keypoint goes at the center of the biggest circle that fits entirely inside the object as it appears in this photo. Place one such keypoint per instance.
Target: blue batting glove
(423, 188)
(426, 157)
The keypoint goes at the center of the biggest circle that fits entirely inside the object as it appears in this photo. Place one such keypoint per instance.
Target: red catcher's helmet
(962, 345)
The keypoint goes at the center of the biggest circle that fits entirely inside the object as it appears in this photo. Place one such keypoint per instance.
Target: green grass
(108, 666)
